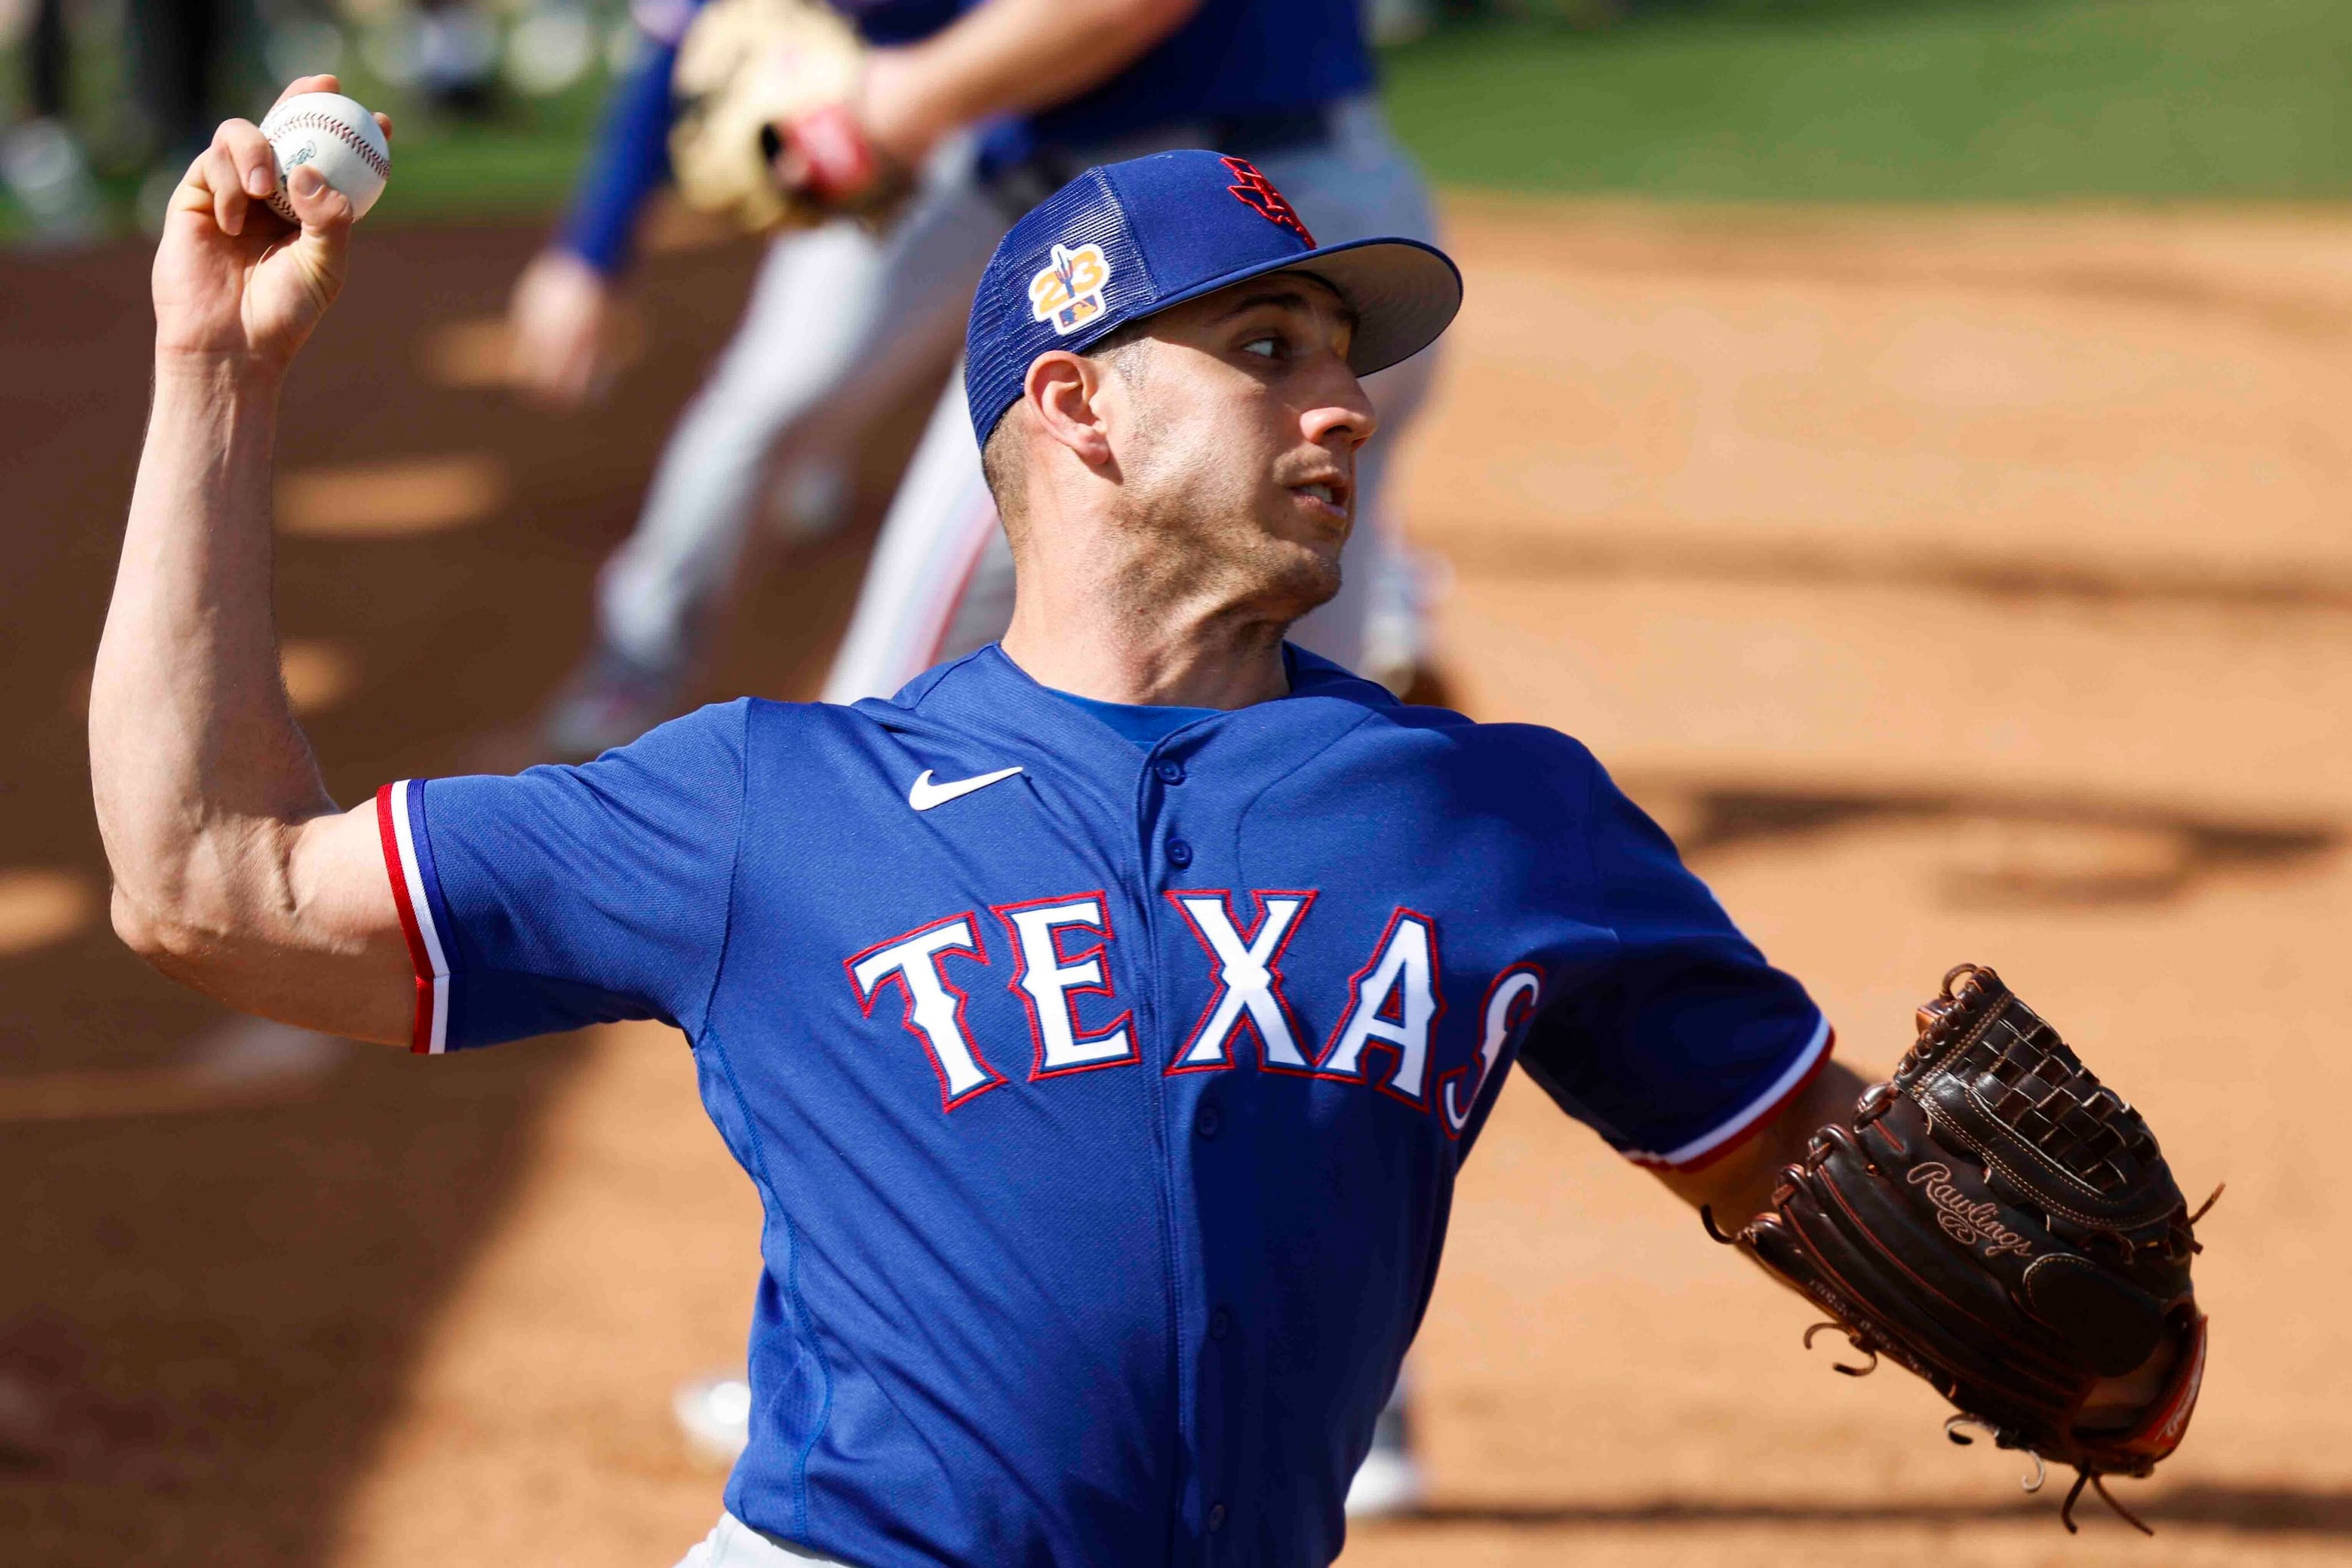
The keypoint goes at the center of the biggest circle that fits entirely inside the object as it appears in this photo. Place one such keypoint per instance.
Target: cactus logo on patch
(1068, 290)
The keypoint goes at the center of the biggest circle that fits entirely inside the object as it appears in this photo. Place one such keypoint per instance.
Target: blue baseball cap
(1127, 240)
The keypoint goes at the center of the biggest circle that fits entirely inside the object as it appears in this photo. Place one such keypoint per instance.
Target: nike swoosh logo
(926, 795)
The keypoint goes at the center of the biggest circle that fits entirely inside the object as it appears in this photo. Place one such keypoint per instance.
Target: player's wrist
(214, 373)
(895, 108)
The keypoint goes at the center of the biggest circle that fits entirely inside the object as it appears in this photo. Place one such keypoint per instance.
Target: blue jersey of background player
(1104, 1072)
(1104, 1019)
(1229, 59)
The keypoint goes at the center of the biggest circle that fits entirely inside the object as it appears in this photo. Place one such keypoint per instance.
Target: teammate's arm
(234, 872)
(1737, 1183)
(562, 303)
(1004, 57)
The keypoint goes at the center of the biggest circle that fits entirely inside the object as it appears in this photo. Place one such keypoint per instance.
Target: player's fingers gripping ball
(2003, 1223)
(334, 135)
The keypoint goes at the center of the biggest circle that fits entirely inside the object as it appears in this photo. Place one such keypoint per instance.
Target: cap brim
(1404, 293)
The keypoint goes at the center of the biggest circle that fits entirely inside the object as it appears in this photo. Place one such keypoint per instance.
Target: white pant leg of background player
(832, 310)
(940, 582)
(938, 530)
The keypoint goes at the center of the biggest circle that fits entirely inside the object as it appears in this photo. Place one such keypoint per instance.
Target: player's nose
(1338, 412)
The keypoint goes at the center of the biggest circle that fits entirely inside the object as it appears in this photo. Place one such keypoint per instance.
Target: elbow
(162, 935)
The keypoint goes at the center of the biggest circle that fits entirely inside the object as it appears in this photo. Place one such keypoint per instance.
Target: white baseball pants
(733, 1543)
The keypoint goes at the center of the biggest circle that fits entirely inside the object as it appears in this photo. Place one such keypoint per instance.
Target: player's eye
(1267, 346)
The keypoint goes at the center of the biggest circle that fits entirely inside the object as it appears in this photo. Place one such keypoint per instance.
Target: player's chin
(1299, 574)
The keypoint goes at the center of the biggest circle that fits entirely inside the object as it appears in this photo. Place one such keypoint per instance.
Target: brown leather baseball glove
(2002, 1224)
(766, 131)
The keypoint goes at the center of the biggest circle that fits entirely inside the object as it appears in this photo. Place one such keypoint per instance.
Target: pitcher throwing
(1104, 1019)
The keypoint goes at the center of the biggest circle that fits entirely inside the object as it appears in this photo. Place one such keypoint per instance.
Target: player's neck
(1112, 658)
(1090, 620)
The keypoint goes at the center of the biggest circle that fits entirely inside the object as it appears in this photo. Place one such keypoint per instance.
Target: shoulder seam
(735, 859)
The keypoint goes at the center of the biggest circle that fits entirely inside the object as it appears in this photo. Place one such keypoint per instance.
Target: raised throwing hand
(232, 280)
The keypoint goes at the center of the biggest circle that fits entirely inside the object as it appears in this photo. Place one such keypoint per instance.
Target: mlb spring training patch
(1067, 291)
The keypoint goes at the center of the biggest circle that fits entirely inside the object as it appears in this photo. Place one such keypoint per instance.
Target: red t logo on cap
(1256, 190)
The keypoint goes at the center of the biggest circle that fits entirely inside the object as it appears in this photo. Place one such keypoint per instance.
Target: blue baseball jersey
(1105, 1098)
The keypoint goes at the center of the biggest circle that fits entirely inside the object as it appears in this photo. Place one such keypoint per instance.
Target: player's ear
(1061, 391)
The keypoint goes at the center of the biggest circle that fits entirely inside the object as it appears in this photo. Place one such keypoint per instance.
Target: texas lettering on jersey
(1060, 950)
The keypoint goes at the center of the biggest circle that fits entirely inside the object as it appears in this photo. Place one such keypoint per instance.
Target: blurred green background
(1690, 99)
(1895, 100)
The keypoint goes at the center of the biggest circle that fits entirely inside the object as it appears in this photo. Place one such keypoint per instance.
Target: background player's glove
(767, 130)
(2003, 1224)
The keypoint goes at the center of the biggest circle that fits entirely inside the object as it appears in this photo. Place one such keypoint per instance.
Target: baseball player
(1104, 1019)
(997, 106)
(1101, 1018)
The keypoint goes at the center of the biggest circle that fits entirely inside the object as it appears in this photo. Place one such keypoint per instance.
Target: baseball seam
(310, 119)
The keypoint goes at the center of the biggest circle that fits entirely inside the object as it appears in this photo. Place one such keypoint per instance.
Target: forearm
(1739, 1184)
(1011, 56)
(197, 768)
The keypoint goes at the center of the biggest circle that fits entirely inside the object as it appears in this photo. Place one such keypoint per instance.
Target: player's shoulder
(1440, 731)
(883, 723)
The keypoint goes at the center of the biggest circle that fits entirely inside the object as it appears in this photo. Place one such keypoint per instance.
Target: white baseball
(334, 135)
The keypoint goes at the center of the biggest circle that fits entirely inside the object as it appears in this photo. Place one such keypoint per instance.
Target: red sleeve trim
(388, 800)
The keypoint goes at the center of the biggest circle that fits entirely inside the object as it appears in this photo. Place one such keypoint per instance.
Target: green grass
(521, 163)
(1960, 100)
(1735, 100)
(525, 163)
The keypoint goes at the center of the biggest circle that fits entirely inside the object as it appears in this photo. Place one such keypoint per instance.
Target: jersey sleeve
(1686, 1039)
(567, 896)
(629, 158)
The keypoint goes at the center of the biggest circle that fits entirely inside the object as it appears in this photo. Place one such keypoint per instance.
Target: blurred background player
(41, 160)
(997, 103)
(180, 61)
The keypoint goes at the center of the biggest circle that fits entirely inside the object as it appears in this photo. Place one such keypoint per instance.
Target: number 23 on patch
(1068, 290)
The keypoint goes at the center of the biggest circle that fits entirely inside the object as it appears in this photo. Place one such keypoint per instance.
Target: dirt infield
(1954, 585)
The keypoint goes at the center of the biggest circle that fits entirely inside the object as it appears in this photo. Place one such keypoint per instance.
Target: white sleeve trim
(1734, 1127)
(421, 909)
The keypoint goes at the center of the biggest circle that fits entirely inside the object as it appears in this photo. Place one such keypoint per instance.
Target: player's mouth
(1327, 496)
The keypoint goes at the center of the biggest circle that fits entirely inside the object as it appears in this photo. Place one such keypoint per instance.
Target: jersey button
(1180, 854)
(1216, 1516)
(1207, 1121)
(1221, 1323)
(1170, 770)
